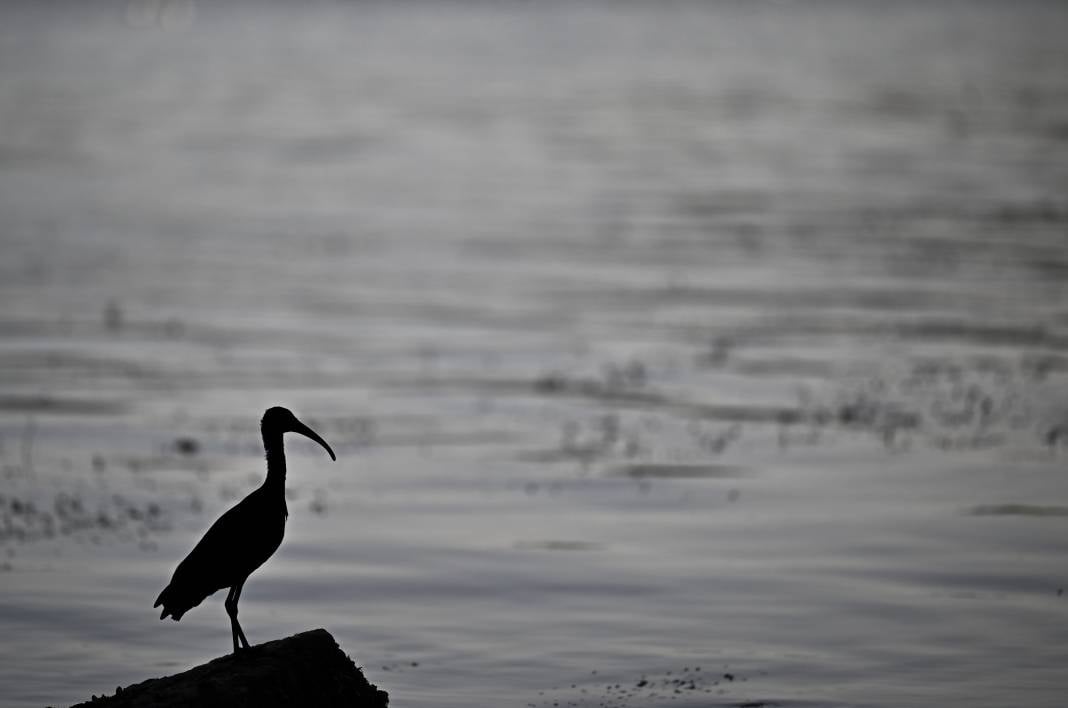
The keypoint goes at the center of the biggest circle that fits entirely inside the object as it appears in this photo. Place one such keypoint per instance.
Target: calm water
(674, 354)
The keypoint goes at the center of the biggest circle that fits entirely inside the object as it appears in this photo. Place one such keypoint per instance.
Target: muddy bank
(306, 669)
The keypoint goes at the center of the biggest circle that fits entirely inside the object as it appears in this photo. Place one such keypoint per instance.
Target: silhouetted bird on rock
(244, 537)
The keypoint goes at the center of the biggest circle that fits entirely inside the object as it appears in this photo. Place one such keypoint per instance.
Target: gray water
(674, 353)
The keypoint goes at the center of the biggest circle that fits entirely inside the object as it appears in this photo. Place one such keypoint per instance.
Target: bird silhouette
(241, 539)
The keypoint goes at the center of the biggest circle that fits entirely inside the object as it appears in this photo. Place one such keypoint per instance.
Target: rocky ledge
(307, 669)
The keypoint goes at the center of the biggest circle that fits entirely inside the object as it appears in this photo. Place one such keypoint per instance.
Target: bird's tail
(172, 604)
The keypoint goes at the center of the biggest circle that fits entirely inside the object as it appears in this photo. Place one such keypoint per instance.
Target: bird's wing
(214, 563)
(220, 548)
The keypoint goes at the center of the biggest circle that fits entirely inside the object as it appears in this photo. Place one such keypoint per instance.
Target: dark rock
(307, 669)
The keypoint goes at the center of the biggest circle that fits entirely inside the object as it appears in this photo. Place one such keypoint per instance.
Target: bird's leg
(231, 606)
(231, 610)
(240, 632)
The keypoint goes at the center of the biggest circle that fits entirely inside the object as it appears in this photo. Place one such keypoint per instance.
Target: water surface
(674, 354)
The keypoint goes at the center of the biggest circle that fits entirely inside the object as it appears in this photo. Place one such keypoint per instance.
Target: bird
(243, 538)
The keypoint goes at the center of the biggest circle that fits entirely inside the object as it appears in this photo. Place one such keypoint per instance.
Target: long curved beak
(307, 432)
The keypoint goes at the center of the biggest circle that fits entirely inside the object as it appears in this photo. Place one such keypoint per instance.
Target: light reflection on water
(657, 345)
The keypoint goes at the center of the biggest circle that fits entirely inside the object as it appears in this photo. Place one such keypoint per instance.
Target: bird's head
(281, 420)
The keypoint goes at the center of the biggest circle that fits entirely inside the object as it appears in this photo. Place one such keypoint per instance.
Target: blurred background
(702, 353)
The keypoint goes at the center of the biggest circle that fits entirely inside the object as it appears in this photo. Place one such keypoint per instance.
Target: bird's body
(243, 538)
(238, 543)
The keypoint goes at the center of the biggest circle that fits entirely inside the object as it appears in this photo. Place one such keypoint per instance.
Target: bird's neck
(276, 462)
